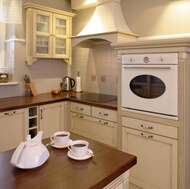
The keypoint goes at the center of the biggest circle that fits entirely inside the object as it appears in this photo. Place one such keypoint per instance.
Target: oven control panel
(162, 58)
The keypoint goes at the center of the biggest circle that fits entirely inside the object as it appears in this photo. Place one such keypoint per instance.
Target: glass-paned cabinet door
(60, 25)
(42, 34)
(43, 46)
(60, 49)
(43, 22)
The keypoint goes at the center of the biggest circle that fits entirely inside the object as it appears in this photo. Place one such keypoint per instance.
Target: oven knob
(146, 59)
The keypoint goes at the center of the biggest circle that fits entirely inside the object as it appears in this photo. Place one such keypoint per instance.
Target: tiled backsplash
(98, 68)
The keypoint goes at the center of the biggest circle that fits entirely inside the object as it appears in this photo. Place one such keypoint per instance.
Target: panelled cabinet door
(156, 159)
(51, 119)
(12, 126)
(42, 42)
(60, 36)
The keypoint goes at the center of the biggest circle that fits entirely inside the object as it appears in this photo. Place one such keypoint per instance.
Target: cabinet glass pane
(42, 44)
(60, 46)
(42, 24)
(60, 26)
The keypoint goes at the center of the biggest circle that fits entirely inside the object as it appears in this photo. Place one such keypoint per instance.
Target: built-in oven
(149, 83)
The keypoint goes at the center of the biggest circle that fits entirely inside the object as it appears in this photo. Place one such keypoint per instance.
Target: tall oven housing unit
(150, 84)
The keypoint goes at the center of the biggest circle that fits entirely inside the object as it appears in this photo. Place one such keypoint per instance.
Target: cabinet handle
(10, 113)
(103, 114)
(146, 127)
(41, 114)
(103, 122)
(146, 136)
(79, 116)
(78, 108)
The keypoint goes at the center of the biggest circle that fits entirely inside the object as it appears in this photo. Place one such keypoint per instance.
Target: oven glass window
(147, 86)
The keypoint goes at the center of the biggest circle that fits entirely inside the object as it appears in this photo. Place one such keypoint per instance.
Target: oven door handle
(150, 68)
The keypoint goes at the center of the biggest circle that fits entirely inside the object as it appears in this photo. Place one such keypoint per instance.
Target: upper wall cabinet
(47, 33)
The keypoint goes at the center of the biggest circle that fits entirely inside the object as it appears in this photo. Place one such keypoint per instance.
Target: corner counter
(97, 172)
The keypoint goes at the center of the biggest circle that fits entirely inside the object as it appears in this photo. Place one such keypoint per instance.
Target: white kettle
(30, 154)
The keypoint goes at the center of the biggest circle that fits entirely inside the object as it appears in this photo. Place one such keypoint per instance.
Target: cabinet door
(100, 130)
(60, 36)
(42, 42)
(156, 159)
(51, 119)
(12, 125)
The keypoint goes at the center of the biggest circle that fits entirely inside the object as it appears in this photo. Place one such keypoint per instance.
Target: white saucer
(62, 146)
(88, 155)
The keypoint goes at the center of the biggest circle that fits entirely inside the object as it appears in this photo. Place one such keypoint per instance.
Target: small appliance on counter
(30, 154)
(68, 83)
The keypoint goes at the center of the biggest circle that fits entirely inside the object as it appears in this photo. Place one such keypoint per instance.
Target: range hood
(107, 23)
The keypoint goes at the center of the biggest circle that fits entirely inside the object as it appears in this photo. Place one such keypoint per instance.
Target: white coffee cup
(79, 147)
(61, 137)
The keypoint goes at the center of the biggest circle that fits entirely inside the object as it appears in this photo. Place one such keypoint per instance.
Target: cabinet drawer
(103, 113)
(150, 127)
(80, 108)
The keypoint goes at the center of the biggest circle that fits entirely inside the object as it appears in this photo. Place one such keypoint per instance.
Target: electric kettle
(30, 154)
(68, 83)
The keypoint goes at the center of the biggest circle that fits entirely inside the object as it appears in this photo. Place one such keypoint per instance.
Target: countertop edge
(13, 103)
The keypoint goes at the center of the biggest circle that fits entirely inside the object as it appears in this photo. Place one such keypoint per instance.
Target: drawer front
(80, 108)
(103, 113)
(150, 127)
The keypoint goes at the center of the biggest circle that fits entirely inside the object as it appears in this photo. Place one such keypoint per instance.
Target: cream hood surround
(107, 23)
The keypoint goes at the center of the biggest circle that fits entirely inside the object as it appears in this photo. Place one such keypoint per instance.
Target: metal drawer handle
(79, 116)
(103, 114)
(146, 127)
(9, 113)
(103, 122)
(78, 108)
(146, 136)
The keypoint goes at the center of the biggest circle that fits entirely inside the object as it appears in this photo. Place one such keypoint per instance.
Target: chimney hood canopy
(107, 23)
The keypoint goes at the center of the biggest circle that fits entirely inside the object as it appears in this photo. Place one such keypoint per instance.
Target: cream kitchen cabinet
(12, 125)
(155, 146)
(51, 118)
(47, 33)
(97, 123)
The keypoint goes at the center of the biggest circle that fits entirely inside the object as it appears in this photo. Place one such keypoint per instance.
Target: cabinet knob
(146, 127)
(9, 113)
(78, 108)
(146, 136)
(79, 116)
(103, 114)
(103, 122)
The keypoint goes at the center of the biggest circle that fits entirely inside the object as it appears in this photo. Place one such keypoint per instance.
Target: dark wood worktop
(62, 172)
(13, 103)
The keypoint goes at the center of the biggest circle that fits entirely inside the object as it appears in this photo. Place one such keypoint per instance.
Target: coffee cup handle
(69, 147)
(51, 137)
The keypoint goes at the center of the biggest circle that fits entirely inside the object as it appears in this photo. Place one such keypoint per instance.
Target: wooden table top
(62, 172)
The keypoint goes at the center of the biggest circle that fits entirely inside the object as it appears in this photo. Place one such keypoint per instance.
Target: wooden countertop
(12, 103)
(62, 172)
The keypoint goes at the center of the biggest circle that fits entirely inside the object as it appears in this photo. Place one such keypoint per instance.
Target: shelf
(9, 83)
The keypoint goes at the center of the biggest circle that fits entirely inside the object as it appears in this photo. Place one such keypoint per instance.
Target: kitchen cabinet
(12, 125)
(47, 33)
(97, 123)
(51, 118)
(155, 146)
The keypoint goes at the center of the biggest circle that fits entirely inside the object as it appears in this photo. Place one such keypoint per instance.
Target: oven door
(150, 88)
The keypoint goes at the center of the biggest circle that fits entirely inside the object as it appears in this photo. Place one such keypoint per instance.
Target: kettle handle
(17, 153)
(72, 82)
